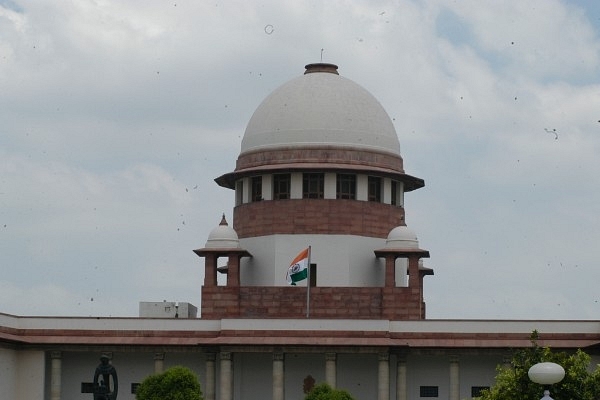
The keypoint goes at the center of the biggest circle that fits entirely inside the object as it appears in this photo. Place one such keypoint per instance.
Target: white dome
(222, 237)
(402, 238)
(321, 108)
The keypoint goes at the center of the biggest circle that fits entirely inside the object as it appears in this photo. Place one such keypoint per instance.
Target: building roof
(425, 334)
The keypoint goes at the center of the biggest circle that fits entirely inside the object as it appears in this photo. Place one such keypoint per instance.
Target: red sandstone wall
(399, 303)
(316, 216)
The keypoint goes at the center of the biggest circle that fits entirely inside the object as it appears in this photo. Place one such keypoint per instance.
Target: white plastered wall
(22, 374)
(8, 373)
(342, 260)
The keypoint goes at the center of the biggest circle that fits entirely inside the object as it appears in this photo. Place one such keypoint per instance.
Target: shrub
(323, 391)
(176, 383)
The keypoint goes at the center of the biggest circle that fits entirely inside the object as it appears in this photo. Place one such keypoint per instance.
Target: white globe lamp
(546, 373)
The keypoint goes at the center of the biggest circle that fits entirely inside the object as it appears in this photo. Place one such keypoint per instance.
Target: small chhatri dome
(321, 108)
(402, 238)
(223, 237)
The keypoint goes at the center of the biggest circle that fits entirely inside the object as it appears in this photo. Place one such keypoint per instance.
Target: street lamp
(546, 373)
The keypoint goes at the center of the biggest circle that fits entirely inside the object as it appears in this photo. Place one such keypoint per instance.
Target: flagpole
(308, 286)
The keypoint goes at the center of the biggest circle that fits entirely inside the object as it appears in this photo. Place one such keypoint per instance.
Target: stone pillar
(390, 271)
(159, 362)
(226, 386)
(383, 385)
(330, 369)
(55, 375)
(454, 378)
(278, 376)
(210, 386)
(210, 270)
(413, 271)
(233, 270)
(401, 387)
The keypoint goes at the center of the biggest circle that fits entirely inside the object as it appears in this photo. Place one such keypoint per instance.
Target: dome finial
(223, 221)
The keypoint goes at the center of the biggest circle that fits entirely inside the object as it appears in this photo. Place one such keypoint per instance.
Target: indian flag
(298, 269)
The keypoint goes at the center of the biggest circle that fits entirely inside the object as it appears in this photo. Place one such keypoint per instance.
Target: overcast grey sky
(116, 116)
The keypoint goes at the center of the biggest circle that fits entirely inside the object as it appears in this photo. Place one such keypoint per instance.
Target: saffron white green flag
(298, 269)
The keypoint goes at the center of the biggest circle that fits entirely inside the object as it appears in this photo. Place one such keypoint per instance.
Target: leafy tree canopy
(176, 383)
(323, 391)
(579, 383)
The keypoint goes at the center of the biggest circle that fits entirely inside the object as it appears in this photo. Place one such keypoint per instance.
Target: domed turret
(319, 167)
(222, 237)
(402, 238)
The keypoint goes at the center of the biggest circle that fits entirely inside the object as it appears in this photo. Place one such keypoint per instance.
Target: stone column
(331, 369)
(159, 362)
(390, 271)
(401, 387)
(383, 385)
(413, 271)
(278, 376)
(55, 375)
(226, 387)
(210, 386)
(210, 270)
(233, 270)
(454, 378)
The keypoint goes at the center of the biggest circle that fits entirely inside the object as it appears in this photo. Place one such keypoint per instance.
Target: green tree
(513, 382)
(176, 383)
(323, 391)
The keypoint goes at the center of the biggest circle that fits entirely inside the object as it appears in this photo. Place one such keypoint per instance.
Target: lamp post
(546, 373)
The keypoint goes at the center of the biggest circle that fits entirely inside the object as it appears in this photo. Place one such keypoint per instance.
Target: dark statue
(102, 384)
